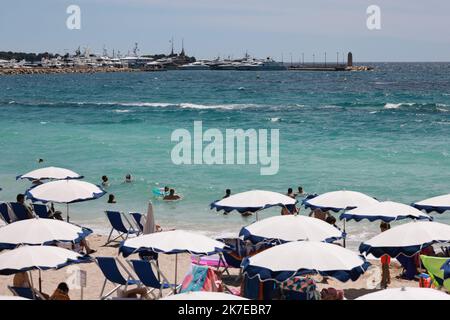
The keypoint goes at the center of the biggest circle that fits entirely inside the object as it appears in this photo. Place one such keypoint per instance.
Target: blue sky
(411, 30)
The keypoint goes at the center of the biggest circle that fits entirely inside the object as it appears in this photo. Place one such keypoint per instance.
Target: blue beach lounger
(4, 213)
(138, 219)
(41, 211)
(27, 293)
(112, 273)
(144, 271)
(118, 221)
(19, 210)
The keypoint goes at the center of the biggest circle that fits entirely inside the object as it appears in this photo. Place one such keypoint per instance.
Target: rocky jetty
(42, 70)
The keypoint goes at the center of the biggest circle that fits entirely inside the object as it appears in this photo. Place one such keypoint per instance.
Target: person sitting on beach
(105, 181)
(332, 220)
(319, 214)
(61, 292)
(171, 196)
(385, 261)
(22, 280)
(128, 178)
(21, 200)
(112, 199)
(57, 215)
(227, 194)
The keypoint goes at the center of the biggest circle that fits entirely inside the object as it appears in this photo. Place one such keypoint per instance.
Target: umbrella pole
(40, 281)
(345, 234)
(68, 213)
(176, 273)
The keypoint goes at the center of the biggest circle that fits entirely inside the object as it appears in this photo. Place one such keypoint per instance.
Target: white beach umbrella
(204, 295)
(172, 242)
(290, 228)
(437, 204)
(407, 239)
(27, 258)
(386, 211)
(340, 200)
(409, 293)
(253, 201)
(40, 232)
(54, 173)
(65, 191)
(282, 262)
(12, 298)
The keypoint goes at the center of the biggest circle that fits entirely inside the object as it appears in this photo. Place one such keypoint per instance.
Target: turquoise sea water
(385, 133)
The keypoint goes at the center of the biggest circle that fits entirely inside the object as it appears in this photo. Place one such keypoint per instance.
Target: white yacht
(198, 65)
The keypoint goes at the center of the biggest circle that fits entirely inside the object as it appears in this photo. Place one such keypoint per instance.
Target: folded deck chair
(27, 293)
(144, 271)
(41, 211)
(118, 221)
(19, 210)
(112, 273)
(4, 215)
(434, 266)
(138, 219)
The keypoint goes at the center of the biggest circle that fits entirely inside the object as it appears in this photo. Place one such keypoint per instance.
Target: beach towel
(300, 288)
(201, 278)
(436, 269)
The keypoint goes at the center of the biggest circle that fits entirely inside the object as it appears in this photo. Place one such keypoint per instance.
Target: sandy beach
(95, 278)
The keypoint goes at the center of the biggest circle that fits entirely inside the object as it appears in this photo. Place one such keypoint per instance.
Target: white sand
(95, 278)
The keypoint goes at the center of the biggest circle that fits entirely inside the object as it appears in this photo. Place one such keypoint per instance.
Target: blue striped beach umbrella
(254, 201)
(50, 173)
(387, 211)
(65, 191)
(407, 239)
(281, 229)
(283, 262)
(438, 204)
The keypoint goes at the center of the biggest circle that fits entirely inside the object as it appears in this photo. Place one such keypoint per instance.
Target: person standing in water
(385, 261)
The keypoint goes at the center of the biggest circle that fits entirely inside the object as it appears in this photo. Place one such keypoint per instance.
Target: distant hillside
(8, 55)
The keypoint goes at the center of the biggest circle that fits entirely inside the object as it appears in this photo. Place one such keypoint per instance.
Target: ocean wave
(439, 107)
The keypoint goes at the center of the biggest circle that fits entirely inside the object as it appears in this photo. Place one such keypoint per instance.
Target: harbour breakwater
(63, 70)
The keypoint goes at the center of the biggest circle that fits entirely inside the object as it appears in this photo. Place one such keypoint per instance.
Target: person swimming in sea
(128, 178)
(105, 181)
(112, 199)
(227, 194)
(171, 196)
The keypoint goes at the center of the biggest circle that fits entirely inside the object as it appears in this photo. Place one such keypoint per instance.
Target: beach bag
(201, 278)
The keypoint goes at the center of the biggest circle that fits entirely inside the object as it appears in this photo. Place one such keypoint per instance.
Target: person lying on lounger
(133, 293)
